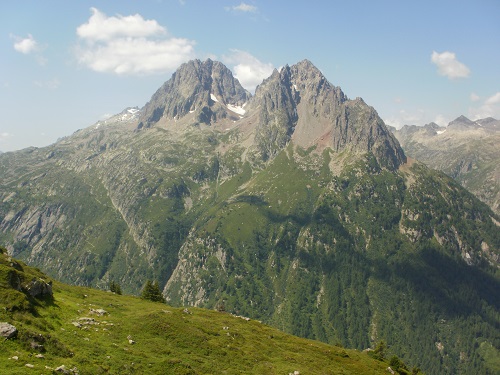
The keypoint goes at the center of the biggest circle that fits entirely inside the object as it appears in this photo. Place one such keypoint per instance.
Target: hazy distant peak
(489, 123)
(432, 125)
(462, 122)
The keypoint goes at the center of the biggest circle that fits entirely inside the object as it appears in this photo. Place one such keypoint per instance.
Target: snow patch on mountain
(237, 109)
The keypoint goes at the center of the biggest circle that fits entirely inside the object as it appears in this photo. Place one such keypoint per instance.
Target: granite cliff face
(295, 206)
(298, 103)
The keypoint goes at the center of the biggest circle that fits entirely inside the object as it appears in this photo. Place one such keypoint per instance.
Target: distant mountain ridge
(295, 206)
(465, 150)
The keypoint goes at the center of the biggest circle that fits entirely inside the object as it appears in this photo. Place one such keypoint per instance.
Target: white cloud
(449, 66)
(130, 45)
(441, 120)
(249, 70)
(417, 117)
(393, 121)
(489, 108)
(492, 100)
(404, 117)
(243, 7)
(25, 45)
(29, 46)
(102, 27)
(474, 97)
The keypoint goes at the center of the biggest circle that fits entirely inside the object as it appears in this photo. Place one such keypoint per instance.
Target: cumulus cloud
(29, 46)
(249, 70)
(101, 27)
(449, 66)
(489, 108)
(129, 45)
(24, 45)
(243, 7)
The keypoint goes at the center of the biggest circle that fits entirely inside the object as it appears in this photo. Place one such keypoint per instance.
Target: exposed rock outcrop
(7, 330)
(38, 288)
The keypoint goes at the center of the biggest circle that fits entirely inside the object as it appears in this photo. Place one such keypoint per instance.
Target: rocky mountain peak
(462, 123)
(298, 103)
(432, 125)
(432, 129)
(194, 88)
(489, 123)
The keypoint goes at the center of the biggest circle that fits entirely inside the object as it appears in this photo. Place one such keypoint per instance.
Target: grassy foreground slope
(95, 332)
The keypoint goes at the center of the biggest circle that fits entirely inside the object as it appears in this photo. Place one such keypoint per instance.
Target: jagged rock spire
(193, 88)
(298, 103)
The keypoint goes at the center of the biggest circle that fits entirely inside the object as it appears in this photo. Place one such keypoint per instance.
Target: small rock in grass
(7, 330)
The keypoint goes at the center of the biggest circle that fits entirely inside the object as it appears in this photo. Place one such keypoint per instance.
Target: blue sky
(66, 64)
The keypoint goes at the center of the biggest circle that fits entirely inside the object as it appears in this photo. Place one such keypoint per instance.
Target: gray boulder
(39, 288)
(7, 330)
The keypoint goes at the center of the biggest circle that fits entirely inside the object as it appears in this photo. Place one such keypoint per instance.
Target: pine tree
(379, 351)
(152, 292)
(115, 287)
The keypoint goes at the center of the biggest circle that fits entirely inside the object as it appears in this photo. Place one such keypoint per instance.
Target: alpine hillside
(295, 206)
(75, 330)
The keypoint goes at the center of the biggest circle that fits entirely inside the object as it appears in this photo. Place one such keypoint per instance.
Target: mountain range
(465, 150)
(296, 206)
